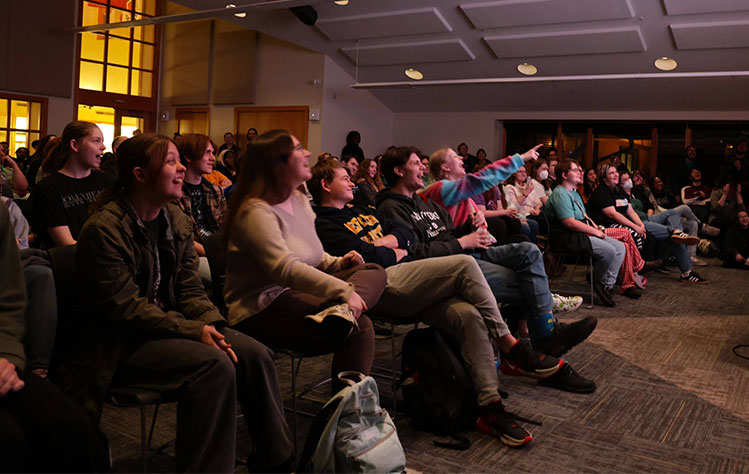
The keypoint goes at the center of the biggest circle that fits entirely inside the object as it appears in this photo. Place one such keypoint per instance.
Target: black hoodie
(356, 228)
(435, 233)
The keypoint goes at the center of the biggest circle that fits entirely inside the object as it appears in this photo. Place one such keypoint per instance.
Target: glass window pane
(19, 114)
(117, 16)
(35, 117)
(144, 33)
(117, 79)
(32, 137)
(17, 140)
(129, 125)
(142, 84)
(3, 113)
(119, 51)
(146, 6)
(3, 136)
(143, 56)
(92, 46)
(94, 14)
(91, 76)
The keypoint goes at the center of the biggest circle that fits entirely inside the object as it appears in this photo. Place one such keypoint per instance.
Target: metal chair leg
(153, 425)
(293, 400)
(392, 374)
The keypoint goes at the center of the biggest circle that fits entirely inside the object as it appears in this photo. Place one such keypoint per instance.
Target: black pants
(42, 430)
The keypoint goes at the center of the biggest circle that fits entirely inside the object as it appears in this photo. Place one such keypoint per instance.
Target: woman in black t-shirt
(62, 199)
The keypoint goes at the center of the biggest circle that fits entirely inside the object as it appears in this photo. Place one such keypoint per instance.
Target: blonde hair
(436, 160)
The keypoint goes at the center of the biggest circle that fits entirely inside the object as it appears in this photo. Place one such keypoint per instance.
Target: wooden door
(295, 119)
(193, 120)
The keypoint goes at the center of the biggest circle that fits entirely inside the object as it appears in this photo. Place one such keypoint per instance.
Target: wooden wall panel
(192, 63)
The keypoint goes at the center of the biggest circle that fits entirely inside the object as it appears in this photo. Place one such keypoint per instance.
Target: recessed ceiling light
(414, 74)
(231, 5)
(240, 15)
(341, 2)
(666, 64)
(527, 69)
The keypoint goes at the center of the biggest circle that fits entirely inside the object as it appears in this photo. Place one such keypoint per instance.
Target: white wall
(346, 109)
(430, 131)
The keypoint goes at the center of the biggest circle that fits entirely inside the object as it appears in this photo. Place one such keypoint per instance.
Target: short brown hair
(323, 170)
(192, 146)
(565, 166)
(396, 156)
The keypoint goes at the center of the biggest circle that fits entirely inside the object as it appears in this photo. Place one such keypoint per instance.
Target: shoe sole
(568, 388)
(503, 438)
(689, 240)
(695, 282)
(508, 368)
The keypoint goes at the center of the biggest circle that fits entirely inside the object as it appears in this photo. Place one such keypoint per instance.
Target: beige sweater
(271, 251)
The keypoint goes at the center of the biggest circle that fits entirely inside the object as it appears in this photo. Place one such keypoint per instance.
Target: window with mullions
(20, 122)
(121, 60)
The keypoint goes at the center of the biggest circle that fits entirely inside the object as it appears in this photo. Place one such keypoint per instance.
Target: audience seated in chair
(367, 179)
(448, 292)
(573, 231)
(41, 430)
(201, 200)
(609, 206)
(63, 198)
(150, 324)
(736, 244)
(528, 197)
(514, 272)
(277, 272)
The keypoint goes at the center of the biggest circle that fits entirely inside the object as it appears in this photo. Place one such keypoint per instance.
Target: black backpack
(438, 393)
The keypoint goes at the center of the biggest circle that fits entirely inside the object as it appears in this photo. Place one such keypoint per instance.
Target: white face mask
(627, 185)
(543, 175)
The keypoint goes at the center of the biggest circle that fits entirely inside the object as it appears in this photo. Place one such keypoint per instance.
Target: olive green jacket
(116, 268)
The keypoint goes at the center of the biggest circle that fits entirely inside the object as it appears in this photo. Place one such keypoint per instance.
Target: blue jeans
(608, 255)
(661, 232)
(41, 315)
(672, 219)
(530, 229)
(516, 275)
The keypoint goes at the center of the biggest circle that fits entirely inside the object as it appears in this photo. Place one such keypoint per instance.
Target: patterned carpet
(672, 396)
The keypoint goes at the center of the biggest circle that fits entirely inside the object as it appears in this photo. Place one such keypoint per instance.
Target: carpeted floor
(672, 396)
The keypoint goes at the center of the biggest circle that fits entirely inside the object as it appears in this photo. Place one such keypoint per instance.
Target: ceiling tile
(410, 53)
(723, 34)
(612, 40)
(691, 7)
(510, 13)
(388, 23)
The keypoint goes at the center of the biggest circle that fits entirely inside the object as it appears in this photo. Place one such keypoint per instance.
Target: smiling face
(296, 170)
(743, 219)
(521, 175)
(372, 171)
(696, 175)
(411, 173)
(168, 182)
(351, 165)
(591, 176)
(637, 180)
(452, 168)
(611, 178)
(574, 176)
(90, 148)
(340, 187)
(204, 164)
(658, 184)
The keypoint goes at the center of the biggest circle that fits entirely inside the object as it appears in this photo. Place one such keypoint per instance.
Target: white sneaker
(565, 304)
(698, 262)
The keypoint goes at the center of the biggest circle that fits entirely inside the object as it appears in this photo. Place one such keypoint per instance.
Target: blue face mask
(627, 185)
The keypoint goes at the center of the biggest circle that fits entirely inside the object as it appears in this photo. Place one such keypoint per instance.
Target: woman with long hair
(367, 178)
(150, 324)
(281, 287)
(589, 184)
(62, 199)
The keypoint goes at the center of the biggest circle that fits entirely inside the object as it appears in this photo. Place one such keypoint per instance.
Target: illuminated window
(20, 122)
(121, 60)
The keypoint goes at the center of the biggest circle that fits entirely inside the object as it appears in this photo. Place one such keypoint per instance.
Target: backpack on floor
(438, 393)
(352, 433)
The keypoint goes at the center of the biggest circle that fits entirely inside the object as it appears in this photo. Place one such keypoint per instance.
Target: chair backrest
(215, 251)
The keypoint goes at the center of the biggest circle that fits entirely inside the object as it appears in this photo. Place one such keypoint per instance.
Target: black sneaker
(693, 277)
(569, 381)
(523, 360)
(632, 292)
(566, 336)
(681, 237)
(497, 422)
(604, 295)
